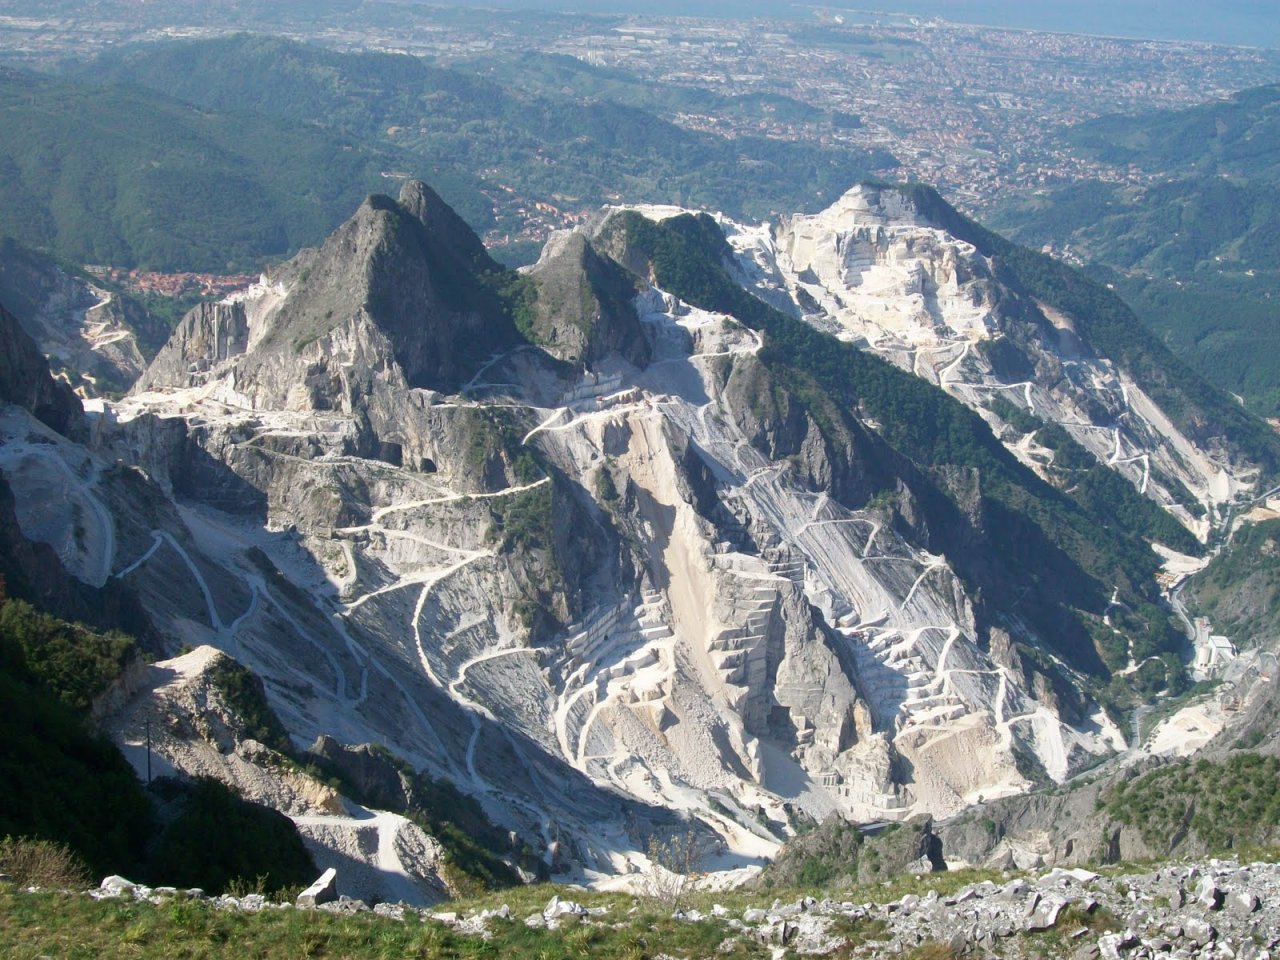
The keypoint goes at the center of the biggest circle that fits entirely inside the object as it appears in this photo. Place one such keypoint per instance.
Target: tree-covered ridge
(1076, 470)
(73, 661)
(61, 781)
(131, 177)
(1238, 135)
(1174, 228)
(1072, 549)
(1224, 804)
(244, 693)
(1216, 322)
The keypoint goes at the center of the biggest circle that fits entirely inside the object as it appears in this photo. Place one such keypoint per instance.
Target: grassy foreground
(75, 927)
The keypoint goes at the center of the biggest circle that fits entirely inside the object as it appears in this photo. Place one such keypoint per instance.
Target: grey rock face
(376, 778)
(25, 379)
(851, 859)
(583, 312)
(209, 335)
(1199, 932)
(116, 886)
(400, 284)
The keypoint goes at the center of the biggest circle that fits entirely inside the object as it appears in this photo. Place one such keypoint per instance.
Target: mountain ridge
(601, 587)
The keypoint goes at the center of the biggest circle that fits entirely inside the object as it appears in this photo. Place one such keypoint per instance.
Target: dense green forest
(119, 175)
(1225, 805)
(1220, 323)
(220, 154)
(1240, 134)
(1169, 229)
(70, 659)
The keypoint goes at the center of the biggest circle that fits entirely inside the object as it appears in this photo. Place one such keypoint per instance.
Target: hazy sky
(1243, 22)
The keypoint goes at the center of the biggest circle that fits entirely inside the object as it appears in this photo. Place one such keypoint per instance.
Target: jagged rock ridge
(612, 571)
(875, 270)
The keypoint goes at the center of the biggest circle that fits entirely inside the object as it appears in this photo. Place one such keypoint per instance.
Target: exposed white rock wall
(871, 270)
(729, 682)
(787, 651)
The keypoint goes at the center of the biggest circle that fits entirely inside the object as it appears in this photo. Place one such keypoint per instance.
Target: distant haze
(1237, 22)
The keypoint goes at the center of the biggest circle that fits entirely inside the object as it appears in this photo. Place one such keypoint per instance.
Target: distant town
(203, 286)
(967, 109)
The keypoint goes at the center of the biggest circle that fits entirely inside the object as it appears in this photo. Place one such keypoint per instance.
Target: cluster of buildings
(178, 285)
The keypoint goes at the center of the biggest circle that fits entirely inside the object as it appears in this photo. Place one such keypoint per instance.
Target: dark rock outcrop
(25, 379)
(414, 272)
(839, 854)
(583, 311)
(372, 773)
(402, 294)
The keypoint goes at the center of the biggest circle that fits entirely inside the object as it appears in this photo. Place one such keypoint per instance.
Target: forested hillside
(130, 177)
(1194, 245)
(572, 137)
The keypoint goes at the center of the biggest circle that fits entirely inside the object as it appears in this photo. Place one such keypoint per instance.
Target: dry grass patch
(42, 863)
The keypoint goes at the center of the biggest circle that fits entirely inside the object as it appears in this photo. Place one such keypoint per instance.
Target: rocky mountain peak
(403, 293)
(869, 204)
(583, 310)
(448, 231)
(758, 546)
